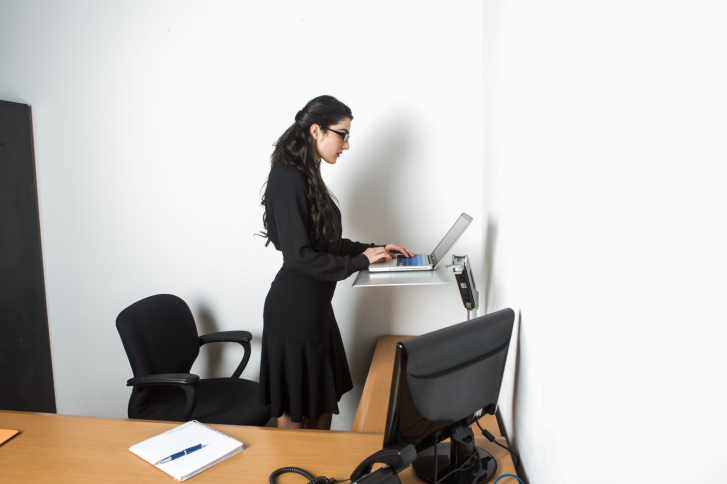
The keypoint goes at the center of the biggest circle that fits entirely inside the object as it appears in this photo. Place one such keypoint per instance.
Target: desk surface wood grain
(71, 449)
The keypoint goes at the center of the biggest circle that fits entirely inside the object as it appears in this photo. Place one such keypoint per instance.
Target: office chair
(161, 342)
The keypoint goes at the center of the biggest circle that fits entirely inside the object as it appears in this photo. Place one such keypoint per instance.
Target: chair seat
(219, 401)
(229, 401)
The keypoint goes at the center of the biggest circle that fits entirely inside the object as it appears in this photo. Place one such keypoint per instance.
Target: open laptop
(423, 262)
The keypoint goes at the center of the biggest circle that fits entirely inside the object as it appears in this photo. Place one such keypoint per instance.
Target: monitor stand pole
(454, 462)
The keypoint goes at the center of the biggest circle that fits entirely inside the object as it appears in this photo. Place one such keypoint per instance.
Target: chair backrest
(159, 335)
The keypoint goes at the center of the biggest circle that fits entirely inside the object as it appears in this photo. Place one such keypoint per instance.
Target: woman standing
(303, 370)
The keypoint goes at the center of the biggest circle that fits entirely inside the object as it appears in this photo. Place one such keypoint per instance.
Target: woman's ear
(315, 131)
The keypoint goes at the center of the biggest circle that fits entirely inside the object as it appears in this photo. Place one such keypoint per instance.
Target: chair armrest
(163, 379)
(186, 381)
(225, 337)
(242, 337)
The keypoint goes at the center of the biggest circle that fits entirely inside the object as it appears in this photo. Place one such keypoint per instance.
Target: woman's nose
(345, 145)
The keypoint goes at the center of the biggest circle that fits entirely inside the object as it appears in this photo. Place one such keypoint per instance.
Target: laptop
(423, 262)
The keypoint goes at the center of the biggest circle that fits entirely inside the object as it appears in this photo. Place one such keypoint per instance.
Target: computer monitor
(443, 381)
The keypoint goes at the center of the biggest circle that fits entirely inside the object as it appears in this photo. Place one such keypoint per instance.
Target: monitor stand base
(424, 466)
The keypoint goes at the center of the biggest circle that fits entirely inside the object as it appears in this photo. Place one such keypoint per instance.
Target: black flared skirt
(303, 369)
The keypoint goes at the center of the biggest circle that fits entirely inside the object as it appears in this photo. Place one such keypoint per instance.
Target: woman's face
(330, 145)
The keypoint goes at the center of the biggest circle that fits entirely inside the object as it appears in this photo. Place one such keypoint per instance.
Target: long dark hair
(296, 147)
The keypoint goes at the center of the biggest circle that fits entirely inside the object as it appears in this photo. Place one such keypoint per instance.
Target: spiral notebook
(216, 447)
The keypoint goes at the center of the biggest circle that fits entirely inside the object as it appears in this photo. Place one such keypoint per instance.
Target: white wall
(605, 183)
(154, 124)
(601, 219)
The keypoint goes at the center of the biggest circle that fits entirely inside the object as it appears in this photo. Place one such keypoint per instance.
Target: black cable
(491, 438)
(311, 479)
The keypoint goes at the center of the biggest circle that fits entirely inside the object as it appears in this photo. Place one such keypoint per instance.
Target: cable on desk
(507, 475)
(311, 479)
(491, 438)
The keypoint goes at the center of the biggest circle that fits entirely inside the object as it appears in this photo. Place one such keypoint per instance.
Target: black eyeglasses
(342, 134)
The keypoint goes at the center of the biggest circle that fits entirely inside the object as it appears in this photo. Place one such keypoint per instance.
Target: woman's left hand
(396, 248)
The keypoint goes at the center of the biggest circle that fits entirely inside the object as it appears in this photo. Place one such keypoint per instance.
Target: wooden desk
(374, 403)
(67, 449)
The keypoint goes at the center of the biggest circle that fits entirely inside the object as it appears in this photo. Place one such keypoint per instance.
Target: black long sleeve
(352, 248)
(288, 217)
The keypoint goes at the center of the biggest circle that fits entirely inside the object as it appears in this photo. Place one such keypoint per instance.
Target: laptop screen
(448, 241)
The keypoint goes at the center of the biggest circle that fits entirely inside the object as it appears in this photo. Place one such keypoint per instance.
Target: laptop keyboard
(417, 260)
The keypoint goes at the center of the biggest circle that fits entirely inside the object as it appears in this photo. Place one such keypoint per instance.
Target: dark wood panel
(26, 372)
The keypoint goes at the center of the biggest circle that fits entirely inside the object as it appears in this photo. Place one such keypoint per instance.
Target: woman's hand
(401, 250)
(376, 253)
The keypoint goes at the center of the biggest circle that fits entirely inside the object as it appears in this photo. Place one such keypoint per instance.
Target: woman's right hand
(376, 253)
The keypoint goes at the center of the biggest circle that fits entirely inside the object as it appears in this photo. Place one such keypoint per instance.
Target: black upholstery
(161, 342)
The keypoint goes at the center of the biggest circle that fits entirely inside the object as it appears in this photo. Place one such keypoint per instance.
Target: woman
(303, 370)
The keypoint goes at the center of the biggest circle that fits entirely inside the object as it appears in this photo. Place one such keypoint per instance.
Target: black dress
(303, 369)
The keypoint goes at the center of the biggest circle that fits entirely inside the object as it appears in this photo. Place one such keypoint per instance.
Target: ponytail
(296, 147)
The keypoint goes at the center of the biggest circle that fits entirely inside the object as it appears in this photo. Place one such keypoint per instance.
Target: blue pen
(179, 454)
